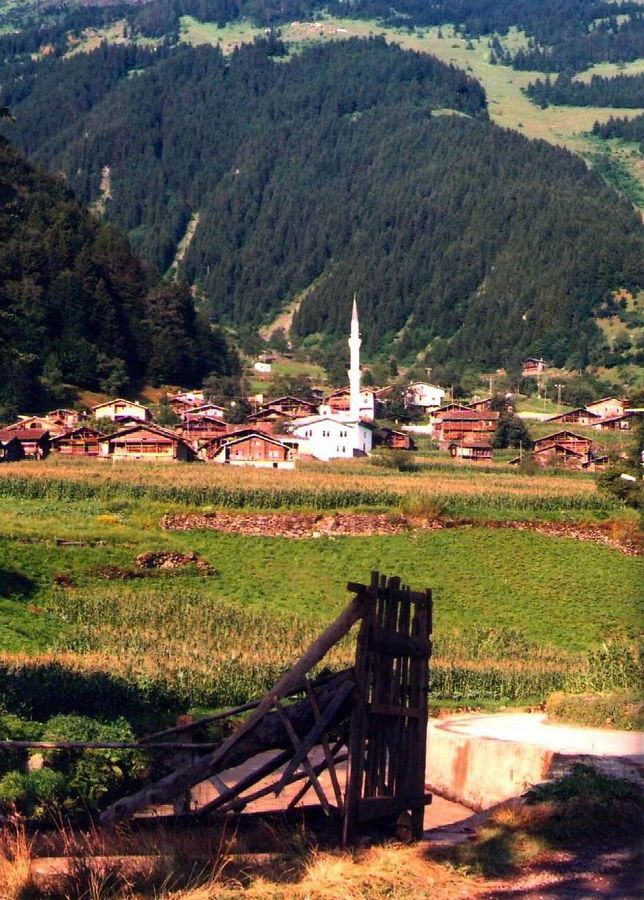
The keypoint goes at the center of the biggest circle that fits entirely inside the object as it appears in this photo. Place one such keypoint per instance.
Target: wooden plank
(306, 787)
(385, 709)
(390, 644)
(322, 722)
(328, 756)
(233, 792)
(306, 765)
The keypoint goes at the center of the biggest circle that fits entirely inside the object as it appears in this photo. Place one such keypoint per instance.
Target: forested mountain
(620, 91)
(331, 172)
(562, 35)
(76, 306)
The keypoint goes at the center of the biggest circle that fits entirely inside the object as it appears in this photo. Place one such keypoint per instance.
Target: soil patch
(313, 525)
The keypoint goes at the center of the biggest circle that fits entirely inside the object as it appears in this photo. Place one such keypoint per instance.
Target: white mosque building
(338, 434)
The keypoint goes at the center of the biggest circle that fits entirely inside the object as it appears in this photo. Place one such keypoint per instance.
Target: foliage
(620, 709)
(620, 90)
(75, 303)
(631, 129)
(511, 431)
(273, 225)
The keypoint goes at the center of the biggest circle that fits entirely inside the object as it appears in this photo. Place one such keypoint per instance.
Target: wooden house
(34, 442)
(437, 414)
(120, 410)
(560, 455)
(209, 447)
(198, 427)
(567, 439)
(36, 423)
(81, 441)
(268, 418)
(148, 442)
(11, 449)
(533, 366)
(339, 403)
(579, 416)
(595, 462)
(68, 418)
(480, 405)
(466, 425)
(291, 407)
(471, 452)
(396, 440)
(256, 449)
(206, 409)
(608, 407)
(615, 423)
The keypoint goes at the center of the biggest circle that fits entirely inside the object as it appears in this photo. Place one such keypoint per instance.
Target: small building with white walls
(119, 410)
(327, 437)
(424, 395)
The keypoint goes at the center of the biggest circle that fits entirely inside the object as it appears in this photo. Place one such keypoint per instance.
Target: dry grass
(16, 877)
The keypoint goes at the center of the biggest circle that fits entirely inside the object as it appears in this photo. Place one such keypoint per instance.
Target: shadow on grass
(16, 585)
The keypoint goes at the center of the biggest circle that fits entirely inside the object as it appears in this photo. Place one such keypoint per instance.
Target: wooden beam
(186, 777)
(379, 807)
(233, 792)
(306, 765)
(99, 745)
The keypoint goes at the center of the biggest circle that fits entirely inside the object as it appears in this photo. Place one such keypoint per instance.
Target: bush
(13, 728)
(38, 794)
(95, 777)
(617, 709)
(400, 460)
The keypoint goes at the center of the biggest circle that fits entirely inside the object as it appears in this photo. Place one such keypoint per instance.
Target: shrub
(617, 709)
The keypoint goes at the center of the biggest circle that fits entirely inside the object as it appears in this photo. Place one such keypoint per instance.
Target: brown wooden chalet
(480, 405)
(210, 447)
(437, 414)
(615, 423)
(579, 416)
(256, 449)
(608, 407)
(532, 366)
(293, 407)
(595, 462)
(562, 448)
(33, 441)
(267, 418)
(198, 427)
(81, 441)
(396, 440)
(470, 451)
(567, 439)
(466, 425)
(149, 442)
(11, 450)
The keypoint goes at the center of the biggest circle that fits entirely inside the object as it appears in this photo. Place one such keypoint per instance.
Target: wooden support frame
(383, 699)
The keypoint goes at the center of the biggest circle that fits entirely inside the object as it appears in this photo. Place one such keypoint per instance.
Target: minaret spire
(355, 374)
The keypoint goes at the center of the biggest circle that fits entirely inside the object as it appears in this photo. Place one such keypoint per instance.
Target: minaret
(354, 368)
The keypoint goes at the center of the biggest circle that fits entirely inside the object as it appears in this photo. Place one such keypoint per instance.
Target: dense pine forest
(621, 91)
(77, 307)
(333, 172)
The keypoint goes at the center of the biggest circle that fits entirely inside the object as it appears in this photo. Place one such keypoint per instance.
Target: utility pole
(559, 387)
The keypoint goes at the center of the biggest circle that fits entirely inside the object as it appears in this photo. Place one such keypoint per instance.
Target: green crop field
(517, 614)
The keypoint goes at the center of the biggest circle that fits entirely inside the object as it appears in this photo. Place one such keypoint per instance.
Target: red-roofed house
(33, 441)
(148, 442)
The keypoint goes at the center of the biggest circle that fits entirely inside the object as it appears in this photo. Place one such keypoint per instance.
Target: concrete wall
(480, 772)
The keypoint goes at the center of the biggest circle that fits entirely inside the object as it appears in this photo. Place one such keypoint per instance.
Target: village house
(36, 423)
(291, 406)
(326, 437)
(579, 416)
(206, 409)
(197, 427)
(396, 440)
(465, 425)
(81, 441)
(561, 448)
(149, 442)
(339, 404)
(423, 396)
(595, 462)
(11, 450)
(480, 405)
(608, 407)
(533, 366)
(616, 423)
(256, 449)
(120, 410)
(34, 442)
(471, 452)
(68, 418)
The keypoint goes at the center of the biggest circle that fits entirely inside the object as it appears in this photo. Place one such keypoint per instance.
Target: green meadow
(517, 614)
